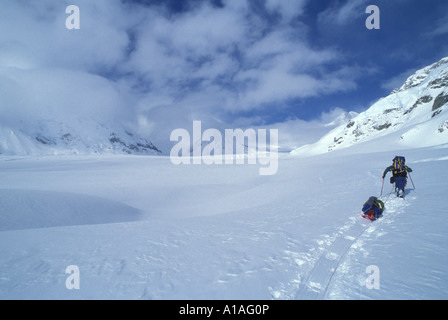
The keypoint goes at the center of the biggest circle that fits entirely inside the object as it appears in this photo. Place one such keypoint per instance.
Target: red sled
(370, 218)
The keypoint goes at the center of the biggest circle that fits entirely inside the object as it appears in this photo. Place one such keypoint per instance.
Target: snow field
(142, 228)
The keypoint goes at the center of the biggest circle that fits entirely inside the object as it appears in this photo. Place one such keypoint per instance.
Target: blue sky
(158, 65)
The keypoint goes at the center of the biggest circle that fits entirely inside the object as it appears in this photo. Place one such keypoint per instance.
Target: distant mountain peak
(77, 136)
(413, 116)
(421, 75)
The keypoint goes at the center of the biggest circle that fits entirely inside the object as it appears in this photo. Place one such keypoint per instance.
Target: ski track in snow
(330, 254)
(394, 207)
(317, 282)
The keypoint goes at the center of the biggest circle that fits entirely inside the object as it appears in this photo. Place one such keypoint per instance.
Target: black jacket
(396, 173)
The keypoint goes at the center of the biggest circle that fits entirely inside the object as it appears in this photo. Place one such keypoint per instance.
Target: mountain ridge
(78, 136)
(415, 115)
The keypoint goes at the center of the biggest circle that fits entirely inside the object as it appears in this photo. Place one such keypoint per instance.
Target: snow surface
(139, 227)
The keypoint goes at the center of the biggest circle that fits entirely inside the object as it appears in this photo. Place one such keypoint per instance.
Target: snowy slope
(142, 228)
(416, 115)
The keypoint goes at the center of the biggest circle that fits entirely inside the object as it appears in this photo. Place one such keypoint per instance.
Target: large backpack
(399, 168)
(398, 163)
(373, 208)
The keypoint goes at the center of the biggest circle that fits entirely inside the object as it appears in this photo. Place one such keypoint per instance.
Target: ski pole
(390, 192)
(412, 181)
(382, 187)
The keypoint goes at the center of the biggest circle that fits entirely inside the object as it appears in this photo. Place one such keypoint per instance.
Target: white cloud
(441, 28)
(161, 69)
(295, 133)
(52, 72)
(288, 9)
(37, 32)
(397, 81)
(59, 94)
(343, 14)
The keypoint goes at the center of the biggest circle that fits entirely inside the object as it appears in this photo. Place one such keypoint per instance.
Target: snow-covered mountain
(414, 115)
(76, 136)
(342, 119)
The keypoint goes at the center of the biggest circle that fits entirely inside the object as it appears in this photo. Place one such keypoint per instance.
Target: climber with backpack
(399, 174)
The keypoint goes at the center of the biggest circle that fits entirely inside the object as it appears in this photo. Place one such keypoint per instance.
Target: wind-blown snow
(142, 228)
